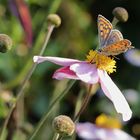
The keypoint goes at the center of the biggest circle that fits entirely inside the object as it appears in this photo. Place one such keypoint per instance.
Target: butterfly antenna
(116, 57)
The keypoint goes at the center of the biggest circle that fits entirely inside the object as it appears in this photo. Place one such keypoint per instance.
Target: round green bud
(5, 43)
(63, 125)
(54, 19)
(121, 14)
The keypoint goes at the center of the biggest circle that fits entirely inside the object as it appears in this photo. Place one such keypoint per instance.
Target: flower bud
(121, 14)
(5, 43)
(54, 19)
(63, 125)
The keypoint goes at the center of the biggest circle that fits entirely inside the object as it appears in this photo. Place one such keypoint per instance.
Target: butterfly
(111, 40)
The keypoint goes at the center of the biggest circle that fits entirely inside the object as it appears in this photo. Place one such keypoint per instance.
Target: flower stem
(20, 93)
(13, 83)
(60, 137)
(54, 6)
(79, 102)
(83, 106)
(50, 108)
(77, 107)
(115, 21)
(56, 136)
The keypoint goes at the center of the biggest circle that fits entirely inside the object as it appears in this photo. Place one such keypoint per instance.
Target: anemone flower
(93, 70)
(89, 131)
(104, 128)
(133, 57)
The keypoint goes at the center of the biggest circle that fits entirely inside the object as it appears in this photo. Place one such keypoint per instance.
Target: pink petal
(115, 95)
(57, 60)
(86, 131)
(64, 72)
(89, 131)
(86, 72)
(121, 135)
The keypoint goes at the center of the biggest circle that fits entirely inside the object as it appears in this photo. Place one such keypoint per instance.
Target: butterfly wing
(117, 48)
(115, 36)
(104, 29)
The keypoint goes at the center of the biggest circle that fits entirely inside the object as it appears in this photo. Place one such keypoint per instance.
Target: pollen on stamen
(101, 61)
(92, 56)
(105, 121)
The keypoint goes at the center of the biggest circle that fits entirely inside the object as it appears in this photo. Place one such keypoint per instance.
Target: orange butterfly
(111, 40)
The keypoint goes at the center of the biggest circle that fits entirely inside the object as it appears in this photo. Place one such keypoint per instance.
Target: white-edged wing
(115, 36)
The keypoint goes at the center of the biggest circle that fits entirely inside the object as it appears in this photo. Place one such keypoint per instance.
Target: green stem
(30, 65)
(79, 102)
(114, 22)
(77, 108)
(83, 106)
(27, 77)
(80, 105)
(60, 137)
(56, 136)
(50, 108)
(53, 8)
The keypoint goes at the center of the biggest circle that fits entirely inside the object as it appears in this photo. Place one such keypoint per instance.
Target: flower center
(107, 122)
(101, 61)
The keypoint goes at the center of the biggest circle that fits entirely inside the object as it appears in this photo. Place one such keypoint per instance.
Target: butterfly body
(111, 40)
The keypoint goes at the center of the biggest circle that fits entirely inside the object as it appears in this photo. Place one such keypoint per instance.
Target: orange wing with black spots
(104, 29)
(116, 48)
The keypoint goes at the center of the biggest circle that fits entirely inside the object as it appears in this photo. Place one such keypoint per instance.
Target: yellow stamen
(101, 61)
(107, 122)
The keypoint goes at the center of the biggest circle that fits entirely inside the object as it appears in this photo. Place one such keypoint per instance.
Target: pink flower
(89, 131)
(89, 73)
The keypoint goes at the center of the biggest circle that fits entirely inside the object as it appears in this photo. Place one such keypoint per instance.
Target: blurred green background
(73, 39)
